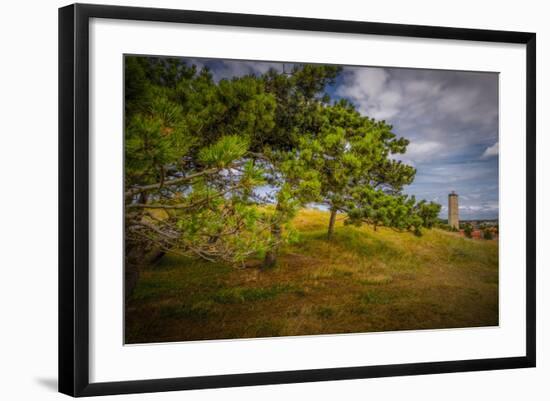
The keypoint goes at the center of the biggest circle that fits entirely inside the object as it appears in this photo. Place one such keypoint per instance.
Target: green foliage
(351, 154)
(299, 96)
(197, 152)
(487, 234)
(428, 212)
(155, 138)
(447, 227)
(223, 152)
(179, 124)
(399, 212)
(468, 229)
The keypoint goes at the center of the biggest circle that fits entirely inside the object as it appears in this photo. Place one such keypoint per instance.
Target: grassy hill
(361, 281)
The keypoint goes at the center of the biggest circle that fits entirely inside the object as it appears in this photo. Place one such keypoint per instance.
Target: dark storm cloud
(450, 118)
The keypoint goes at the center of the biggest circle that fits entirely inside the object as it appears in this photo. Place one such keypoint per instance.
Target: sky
(449, 117)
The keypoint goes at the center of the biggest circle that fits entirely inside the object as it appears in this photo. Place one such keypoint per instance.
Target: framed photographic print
(249, 199)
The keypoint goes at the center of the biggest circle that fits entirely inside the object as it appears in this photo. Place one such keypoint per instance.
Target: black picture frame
(74, 198)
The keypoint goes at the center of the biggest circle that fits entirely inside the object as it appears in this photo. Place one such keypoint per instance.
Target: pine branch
(136, 190)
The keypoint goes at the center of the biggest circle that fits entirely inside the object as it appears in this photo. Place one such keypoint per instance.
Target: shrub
(447, 227)
(468, 230)
(487, 234)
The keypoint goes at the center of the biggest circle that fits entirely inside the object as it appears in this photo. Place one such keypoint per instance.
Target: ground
(361, 281)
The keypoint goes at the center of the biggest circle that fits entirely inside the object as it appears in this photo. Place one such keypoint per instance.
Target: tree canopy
(217, 170)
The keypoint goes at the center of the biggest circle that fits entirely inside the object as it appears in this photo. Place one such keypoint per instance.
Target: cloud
(476, 183)
(490, 151)
(449, 118)
(458, 109)
(420, 151)
(370, 90)
(485, 208)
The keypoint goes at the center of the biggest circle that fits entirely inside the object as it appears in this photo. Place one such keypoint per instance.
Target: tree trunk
(270, 259)
(133, 261)
(331, 223)
(131, 276)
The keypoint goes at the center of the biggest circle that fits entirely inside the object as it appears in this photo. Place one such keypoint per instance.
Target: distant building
(453, 210)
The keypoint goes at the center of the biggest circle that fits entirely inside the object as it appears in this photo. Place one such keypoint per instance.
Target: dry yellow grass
(361, 281)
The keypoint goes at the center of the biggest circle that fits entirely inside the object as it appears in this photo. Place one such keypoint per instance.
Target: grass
(245, 294)
(361, 281)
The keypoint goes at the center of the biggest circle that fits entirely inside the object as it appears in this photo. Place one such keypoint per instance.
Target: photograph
(271, 199)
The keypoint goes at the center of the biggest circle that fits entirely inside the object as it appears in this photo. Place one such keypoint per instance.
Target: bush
(468, 230)
(487, 234)
(447, 227)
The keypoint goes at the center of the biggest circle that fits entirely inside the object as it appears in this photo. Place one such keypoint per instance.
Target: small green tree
(428, 212)
(468, 229)
(487, 234)
(399, 212)
(352, 152)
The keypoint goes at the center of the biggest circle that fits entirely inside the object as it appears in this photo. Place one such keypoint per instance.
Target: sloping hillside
(360, 281)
